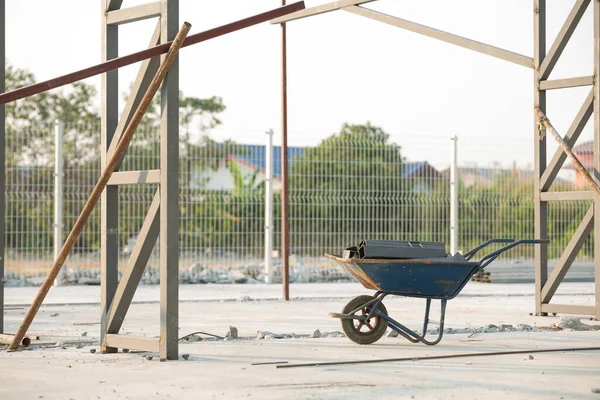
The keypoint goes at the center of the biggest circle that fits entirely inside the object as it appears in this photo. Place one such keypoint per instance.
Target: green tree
(348, 188)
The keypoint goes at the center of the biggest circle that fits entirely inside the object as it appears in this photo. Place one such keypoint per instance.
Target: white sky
(341, 68)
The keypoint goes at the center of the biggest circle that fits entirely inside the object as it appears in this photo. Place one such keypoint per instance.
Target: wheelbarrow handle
(469, 254)
(488, 258)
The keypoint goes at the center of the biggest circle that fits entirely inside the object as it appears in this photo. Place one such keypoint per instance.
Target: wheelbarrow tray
(433, 278)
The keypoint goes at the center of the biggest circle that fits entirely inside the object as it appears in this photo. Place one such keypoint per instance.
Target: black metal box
(400, 249)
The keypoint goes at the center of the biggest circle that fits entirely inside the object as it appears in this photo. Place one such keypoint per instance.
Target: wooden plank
(568, 309)
(135, 177)
(568, 196)
(568, 256)
(443, 36)
(320, 9)
(133, 14)
(131, 342)
(567, 83)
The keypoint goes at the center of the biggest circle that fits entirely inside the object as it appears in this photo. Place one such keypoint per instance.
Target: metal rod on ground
(269, 208)
(493, 353)
(453, 197)
(58, 195)
(101, 184)
(582, 170)
(8, 339)
(285, 228)
(148, 53)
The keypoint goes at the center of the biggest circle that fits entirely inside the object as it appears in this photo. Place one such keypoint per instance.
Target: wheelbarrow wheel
(363, 332)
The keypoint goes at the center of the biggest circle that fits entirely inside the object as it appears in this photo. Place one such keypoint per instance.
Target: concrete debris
(185, 356)
(573, 323)
(233, 333)
(596, 390)
(92, 351)
(196, 273)
(530, 357)
(84, 334)
(316, 334)
(149, 358)
(244, 298)
(393, 333)
(54, 315)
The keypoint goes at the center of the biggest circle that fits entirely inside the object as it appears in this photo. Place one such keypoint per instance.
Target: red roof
(584, 148)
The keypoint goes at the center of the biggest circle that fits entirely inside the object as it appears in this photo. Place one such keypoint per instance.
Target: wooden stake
(101, 184)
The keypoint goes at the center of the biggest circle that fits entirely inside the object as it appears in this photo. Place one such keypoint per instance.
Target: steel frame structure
(163, 214)
(542, 64)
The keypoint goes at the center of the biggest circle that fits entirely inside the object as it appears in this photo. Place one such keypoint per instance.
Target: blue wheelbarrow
(365, 319)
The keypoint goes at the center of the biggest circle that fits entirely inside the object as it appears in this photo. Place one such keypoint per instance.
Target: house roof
(254, 155)
(584, 148)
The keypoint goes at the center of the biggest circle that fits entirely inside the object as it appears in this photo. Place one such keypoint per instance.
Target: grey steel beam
(321, 9)
(443, 36)
(145, 75)
(133, 14)
(111, 5)
(568, 196)
(169, 192)
(567, 83)
(2, 160)
(540, 208)
(567, 309)
(581, 119)
(568, 256)
(140, 254)
(109, 208)
(135, 177)
(131, 342)
(563, 38)
(596, 312)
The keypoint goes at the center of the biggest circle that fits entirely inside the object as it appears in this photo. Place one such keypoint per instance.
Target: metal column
(109, 206)
(269, 209)
(597, 152)
(2, 160)
(58, 195)
(169, 192)
(285, 211)
(540, 207)
(454, 196)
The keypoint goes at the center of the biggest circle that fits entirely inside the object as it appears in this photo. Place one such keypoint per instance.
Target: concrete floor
(223, 369)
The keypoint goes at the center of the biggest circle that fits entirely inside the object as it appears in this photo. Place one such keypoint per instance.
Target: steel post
(454, 197)
(596, 228)
(109, 201)
(58, 195)
(2, 164)
(169, 192)
(285, 227)
(540, 207)
(269, 208)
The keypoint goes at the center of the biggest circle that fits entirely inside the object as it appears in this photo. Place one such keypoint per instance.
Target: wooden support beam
(320, 9)
(567, 309)
(568, 256)
(575, 195)
(142, 250)
(135, 177)
(581, 119)
(563, 38)
(133, 14)
(131, 342)
(443, 36)
(567, 83)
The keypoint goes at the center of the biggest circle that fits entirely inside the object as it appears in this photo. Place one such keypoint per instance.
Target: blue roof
(254, 155)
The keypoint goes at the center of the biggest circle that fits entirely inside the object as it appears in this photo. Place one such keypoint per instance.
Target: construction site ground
(61, 364)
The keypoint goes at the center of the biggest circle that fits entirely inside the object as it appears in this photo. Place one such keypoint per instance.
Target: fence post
(269, 208)
(58, 194)
(453, 197)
